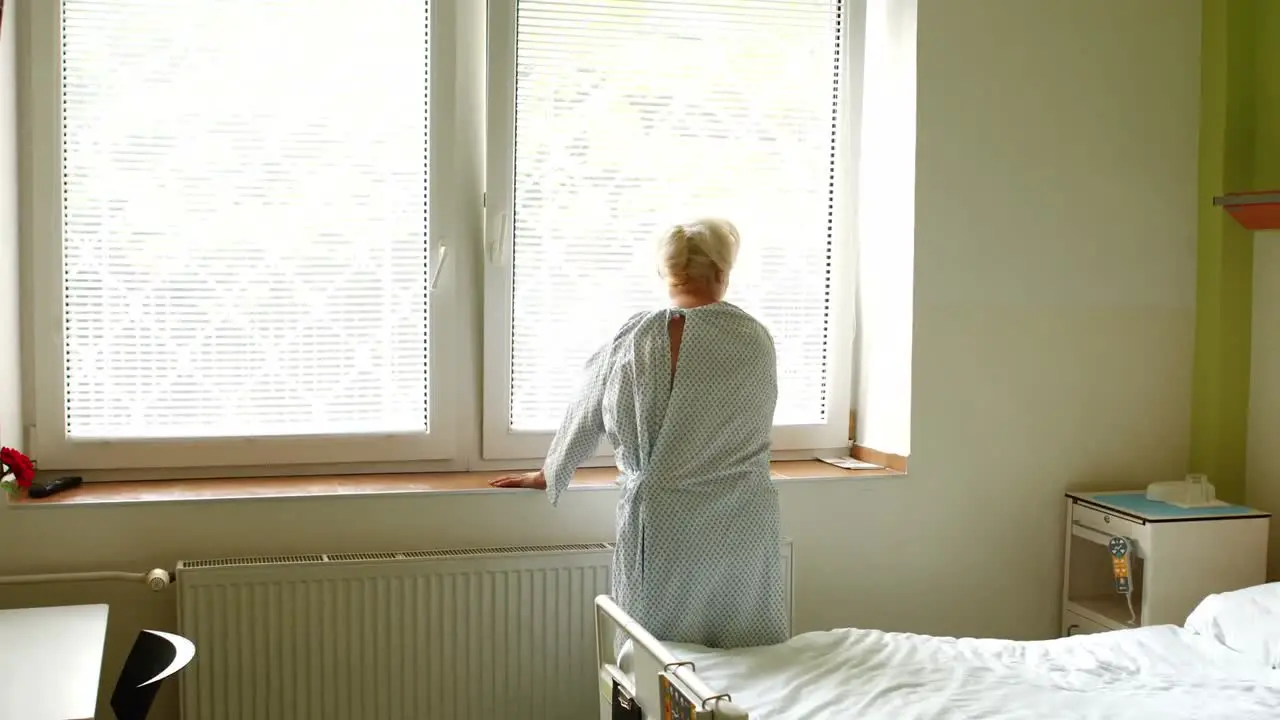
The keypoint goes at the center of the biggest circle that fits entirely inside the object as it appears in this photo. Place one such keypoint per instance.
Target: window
(242, 213)
(610, 120)
(244, 216)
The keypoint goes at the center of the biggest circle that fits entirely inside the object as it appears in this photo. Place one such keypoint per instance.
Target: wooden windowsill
(897, 463)
(162, 491)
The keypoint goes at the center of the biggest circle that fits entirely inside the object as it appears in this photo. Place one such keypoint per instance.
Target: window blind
(632, 115)
(244, 217)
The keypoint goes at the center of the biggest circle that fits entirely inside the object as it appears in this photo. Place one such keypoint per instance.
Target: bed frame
(649, 660)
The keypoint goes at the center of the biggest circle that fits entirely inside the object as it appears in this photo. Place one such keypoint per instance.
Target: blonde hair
(696, 253)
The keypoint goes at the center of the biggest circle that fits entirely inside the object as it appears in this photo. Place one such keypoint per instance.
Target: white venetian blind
(632, 115)
(244, 217)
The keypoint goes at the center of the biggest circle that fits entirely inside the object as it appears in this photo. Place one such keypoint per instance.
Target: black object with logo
(152, 659)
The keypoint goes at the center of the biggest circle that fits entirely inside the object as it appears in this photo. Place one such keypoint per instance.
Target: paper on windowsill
(849, 463)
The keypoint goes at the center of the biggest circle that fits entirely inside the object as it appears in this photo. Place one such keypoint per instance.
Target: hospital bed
(1200, 671)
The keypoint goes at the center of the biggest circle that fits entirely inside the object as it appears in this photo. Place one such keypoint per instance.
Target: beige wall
(10, 389)
(1262, 481)
(1262, 473)
(1053, 326)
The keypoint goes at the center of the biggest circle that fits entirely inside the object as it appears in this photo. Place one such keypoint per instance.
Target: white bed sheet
(1162, 672)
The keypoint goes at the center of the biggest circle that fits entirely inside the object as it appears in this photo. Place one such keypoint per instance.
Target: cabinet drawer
(1073, 624)
(1108, 523)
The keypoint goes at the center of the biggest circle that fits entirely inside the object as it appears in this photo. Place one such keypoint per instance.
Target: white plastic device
(1195, 491)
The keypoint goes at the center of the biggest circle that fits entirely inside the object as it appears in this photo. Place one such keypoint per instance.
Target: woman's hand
(530, 480)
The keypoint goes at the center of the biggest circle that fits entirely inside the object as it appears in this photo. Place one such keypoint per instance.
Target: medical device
(1120, 549)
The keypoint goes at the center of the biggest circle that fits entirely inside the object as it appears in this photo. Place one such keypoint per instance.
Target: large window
(240, 212)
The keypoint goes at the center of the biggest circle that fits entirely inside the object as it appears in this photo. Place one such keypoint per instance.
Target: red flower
(24, 471)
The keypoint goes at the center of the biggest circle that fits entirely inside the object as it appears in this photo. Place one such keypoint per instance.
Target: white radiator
(461, 634)
(484, 634)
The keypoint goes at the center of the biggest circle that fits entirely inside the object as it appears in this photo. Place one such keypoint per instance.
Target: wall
(1220, 392)
(10, 388)
(1263, 469)
(886, 217)
(1053, 303)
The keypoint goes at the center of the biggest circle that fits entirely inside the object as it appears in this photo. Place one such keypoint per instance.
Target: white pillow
(1247, 621)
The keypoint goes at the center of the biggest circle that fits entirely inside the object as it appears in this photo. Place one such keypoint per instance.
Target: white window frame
(47, 436)
(499, 442)
(472, 151)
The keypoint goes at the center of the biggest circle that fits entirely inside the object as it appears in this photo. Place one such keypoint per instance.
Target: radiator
(480, 634)
(465, 634)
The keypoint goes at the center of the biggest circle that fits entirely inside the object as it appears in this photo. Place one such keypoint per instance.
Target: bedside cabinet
(1178, 557)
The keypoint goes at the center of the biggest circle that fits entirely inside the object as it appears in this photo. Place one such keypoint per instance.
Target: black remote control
(54, 487)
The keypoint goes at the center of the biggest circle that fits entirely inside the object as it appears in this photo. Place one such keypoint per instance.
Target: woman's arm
(575, 441)
(581, 429)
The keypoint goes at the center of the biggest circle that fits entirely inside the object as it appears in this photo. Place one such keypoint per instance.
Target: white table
(50, 660)
(1178, 557)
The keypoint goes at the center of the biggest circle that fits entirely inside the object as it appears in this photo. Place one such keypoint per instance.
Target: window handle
(496, 248)
(442, 254)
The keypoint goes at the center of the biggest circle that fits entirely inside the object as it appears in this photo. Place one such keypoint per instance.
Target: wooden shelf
(1253, 210)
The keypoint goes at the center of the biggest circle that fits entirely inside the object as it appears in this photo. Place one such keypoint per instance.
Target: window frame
(40, 68)
(498, 441)
(470, 304)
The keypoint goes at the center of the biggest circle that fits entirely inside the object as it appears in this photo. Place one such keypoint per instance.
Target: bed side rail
(649, 659)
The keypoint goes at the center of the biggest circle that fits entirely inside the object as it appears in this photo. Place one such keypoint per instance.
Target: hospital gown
(697, 558)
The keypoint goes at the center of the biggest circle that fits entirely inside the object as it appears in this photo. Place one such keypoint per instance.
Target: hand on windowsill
(529, 480)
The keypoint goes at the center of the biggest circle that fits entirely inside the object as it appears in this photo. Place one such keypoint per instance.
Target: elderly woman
(686, 395)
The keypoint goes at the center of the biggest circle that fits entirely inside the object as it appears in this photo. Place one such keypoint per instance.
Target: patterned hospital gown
(697, 558)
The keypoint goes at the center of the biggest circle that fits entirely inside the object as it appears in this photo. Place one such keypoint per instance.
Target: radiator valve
(158, 579)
